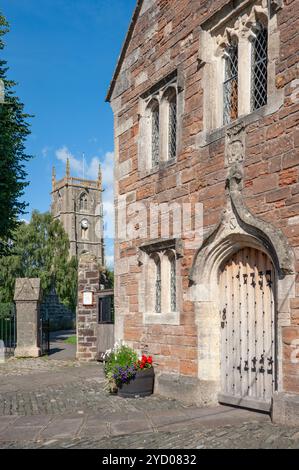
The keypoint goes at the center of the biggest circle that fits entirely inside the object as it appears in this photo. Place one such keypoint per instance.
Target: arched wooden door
(247, 316)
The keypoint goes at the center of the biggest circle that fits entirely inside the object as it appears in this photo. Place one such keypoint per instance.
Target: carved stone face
(236, 151)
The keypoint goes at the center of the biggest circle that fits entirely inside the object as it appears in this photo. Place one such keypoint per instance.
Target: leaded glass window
(172, 130)
(230, 86)
(158, 286)
(173, 284)
(155, 134)
(259, 68)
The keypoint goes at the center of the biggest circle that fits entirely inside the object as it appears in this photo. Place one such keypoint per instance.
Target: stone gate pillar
(27, 298)
(87, 314)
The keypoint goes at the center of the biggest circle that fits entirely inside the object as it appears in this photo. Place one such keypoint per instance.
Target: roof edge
(124, 50)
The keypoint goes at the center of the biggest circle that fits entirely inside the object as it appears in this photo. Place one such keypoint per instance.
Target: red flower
(150, 359)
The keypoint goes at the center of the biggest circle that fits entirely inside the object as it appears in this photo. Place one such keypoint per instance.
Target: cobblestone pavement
(15, 367)
(62, 404)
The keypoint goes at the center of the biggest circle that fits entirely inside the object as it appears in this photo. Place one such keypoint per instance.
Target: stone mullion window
(230, 86)
(259, 68)
(159, 126)
(158, 285)
(238, 80)
(173, 281)
(155, 134)
(161, 285)
(172, 129)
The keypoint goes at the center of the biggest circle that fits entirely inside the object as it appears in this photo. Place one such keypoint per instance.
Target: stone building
(205, 100)
(77, 203)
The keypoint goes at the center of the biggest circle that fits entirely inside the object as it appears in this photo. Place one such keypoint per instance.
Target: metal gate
(44, 336)
(105, 327)
(247, 330)
(8, 328)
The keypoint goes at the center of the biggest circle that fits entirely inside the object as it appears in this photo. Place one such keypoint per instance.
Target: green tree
(40, 249)
(14, 129)
(110, 278)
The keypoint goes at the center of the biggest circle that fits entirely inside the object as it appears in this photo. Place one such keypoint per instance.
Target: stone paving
(60, 350)
(62, 404)
(25, 367)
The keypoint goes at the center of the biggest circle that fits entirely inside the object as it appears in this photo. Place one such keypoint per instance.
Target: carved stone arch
(230, 36)
(259, 14)
(169, 92)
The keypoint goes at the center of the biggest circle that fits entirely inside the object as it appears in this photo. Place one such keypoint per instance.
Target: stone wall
(61, 318)
(167, 37)
(87, 316)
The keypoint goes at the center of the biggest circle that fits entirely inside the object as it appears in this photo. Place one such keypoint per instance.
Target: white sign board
(87, 298)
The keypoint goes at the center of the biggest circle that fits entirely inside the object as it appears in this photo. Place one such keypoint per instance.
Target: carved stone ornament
(238, 225)
(276, 5)
(235, 145)
(27, 289)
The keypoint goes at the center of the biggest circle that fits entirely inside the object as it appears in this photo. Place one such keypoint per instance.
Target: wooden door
(247, 330)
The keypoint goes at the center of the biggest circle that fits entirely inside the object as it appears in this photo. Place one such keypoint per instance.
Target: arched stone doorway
(217, 251)
(247, 329)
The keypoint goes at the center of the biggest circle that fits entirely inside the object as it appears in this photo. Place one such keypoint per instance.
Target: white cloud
(45, 151)
(91, 168)
(76, 165)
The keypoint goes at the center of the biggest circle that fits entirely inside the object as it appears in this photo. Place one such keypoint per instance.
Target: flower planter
(141, 386)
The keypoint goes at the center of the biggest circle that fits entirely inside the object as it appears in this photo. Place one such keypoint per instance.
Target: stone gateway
(206, 111)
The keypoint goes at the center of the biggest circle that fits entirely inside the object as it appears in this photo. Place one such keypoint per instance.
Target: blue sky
(63, 54)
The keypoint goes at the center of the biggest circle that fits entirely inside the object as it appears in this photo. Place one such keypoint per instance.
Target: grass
(71, 340)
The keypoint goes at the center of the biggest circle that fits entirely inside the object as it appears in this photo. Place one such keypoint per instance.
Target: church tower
(77, 203)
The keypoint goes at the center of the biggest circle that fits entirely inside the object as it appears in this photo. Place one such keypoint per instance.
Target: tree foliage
(14, 129)
(40, 249)
(110, 278)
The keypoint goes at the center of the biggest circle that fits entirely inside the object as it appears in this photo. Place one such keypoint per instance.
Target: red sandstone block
(278, 195)
(275, 130)
(287, 177)
(265, 183)
(132, 288)
(255, 170)
(295, 317)
(289, 334)
(188, 175)
(275, 164)
(188, 368)
(290, 159)
(145, 191)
